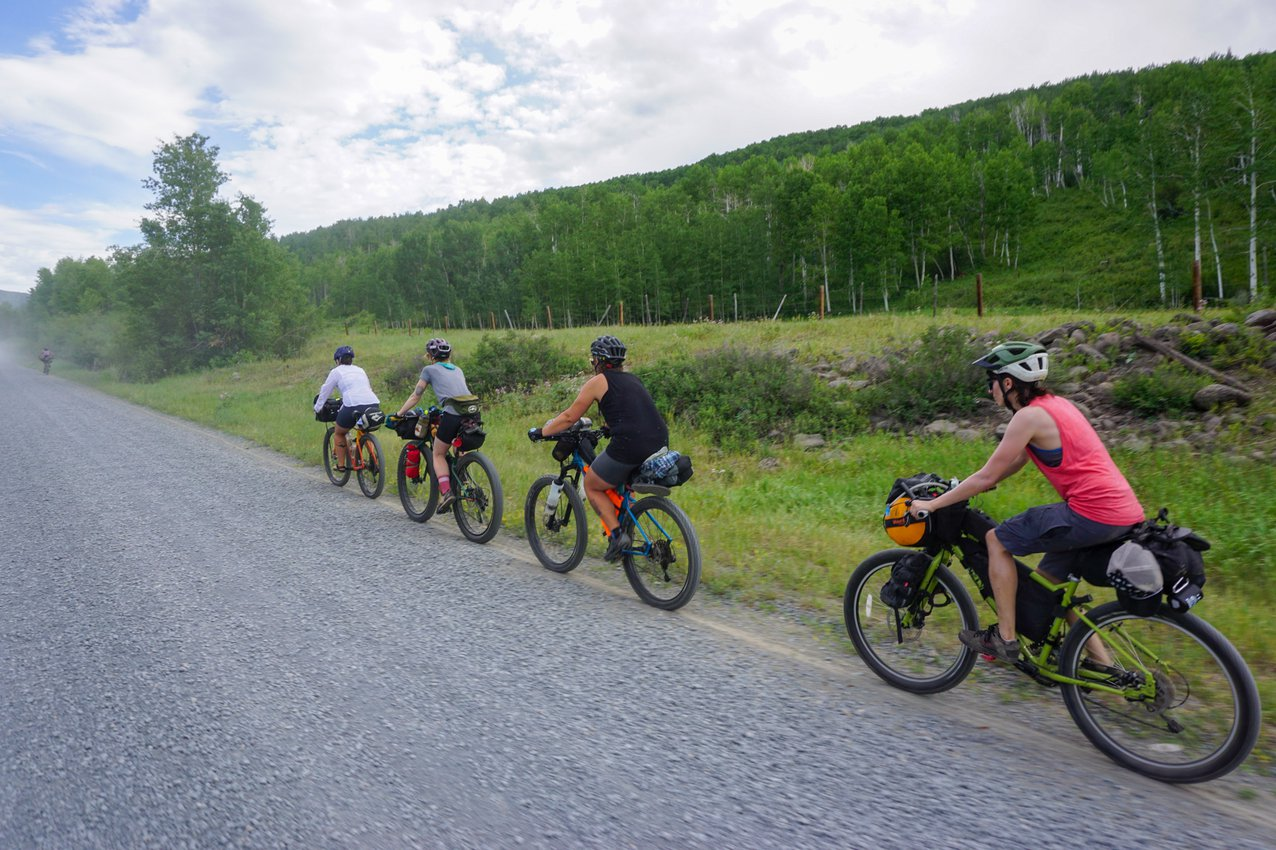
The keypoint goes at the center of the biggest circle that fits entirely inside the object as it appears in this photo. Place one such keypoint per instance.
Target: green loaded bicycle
(1154, 687)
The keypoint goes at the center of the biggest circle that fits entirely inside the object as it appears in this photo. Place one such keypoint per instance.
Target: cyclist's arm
(1009, 457)
(326, 390)
(414, 398)
(593, 390)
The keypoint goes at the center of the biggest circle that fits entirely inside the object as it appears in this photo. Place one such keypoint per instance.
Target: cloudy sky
(333, 109)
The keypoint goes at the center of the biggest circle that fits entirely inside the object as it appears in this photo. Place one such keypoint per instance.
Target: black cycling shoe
(617, 543)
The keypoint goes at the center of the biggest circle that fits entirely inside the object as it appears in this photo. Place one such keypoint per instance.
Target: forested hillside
(1096, 191)
(1091, 193)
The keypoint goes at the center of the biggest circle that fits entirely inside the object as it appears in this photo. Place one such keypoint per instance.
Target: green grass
(777, 525)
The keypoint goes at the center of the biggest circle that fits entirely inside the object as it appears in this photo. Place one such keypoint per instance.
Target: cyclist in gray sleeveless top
(449, 382)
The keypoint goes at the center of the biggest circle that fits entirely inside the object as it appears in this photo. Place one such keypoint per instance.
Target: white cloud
(325, 111)
(35, 239)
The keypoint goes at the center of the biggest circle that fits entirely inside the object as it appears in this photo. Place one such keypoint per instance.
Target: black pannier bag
(906, 574)
(405, 427)
(471, 433)
(329, 411)
(1179, 551)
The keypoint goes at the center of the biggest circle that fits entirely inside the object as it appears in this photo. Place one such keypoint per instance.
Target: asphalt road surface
(206, 644)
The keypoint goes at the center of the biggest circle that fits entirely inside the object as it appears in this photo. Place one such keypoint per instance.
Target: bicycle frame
(577, 466)
(1037, 661)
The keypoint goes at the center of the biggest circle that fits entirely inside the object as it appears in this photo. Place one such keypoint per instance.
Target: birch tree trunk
(1218, 261)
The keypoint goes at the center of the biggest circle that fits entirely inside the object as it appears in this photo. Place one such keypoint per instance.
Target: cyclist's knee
(993, 543)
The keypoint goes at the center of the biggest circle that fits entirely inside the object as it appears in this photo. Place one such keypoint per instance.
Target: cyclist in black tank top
(637, 431)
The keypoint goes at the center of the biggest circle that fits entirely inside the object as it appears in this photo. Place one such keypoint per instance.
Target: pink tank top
(1087, 479)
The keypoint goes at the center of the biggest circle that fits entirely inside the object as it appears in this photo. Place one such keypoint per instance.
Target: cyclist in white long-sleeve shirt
(356, 397)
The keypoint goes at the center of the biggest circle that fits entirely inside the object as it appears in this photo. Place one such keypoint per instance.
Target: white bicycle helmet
(1026, 361)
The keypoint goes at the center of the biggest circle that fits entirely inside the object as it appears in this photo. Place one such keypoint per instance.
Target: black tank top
(637, 428)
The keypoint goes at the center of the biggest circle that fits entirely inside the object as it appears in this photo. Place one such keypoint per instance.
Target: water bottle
(551, 498)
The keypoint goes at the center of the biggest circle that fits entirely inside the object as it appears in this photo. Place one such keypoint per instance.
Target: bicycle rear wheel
(372, 475)
(479, 500)
(663, 561)
(558, 538)
(915, 648)
(1187, 709)
(418, 495)
(330, 459)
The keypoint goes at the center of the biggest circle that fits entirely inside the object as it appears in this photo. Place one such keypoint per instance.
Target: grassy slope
(791, 534)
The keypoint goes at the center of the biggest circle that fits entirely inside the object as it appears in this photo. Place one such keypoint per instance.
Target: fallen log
(1166, 351)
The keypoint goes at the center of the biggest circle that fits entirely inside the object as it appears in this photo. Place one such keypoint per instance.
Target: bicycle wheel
(915, 648)
(558, 537)
(418, 495)
(330, 460)
(663, 561)
(1187, 709)
(372, 475)
(479, 499)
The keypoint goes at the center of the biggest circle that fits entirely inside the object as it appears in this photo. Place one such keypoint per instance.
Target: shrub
(740, 395)
(516, 362)
(1167, 389)
(929, 379)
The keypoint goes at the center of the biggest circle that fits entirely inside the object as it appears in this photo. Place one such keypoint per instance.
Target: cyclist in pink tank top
(1098, 504)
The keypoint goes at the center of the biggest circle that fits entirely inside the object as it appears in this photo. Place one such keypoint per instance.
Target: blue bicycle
(662, 564)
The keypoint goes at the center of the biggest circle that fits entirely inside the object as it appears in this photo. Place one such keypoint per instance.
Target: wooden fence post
(979, 294)
(711, 306)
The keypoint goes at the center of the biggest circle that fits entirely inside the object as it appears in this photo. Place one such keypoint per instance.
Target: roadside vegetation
(782, 526)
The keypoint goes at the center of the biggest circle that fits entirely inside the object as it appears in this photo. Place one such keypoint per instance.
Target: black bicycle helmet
(608, 348)
(343, 351)
(438, 348)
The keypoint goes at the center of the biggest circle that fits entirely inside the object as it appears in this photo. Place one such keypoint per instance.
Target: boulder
(1108, 343)
(1261, 319)
(1090, 352)
(1209, 397)
(808, 442)
(940, 426)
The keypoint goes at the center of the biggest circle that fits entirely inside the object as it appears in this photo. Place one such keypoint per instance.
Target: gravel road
(206, 644)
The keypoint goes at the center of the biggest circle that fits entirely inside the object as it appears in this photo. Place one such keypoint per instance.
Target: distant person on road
(637, 431)
(449, 382)
(356, 398)
(46, 357)
(1098, 504)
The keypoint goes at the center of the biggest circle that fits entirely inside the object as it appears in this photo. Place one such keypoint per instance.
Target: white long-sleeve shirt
(353, 383)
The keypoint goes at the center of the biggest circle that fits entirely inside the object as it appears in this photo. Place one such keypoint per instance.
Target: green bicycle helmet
(1027, 361)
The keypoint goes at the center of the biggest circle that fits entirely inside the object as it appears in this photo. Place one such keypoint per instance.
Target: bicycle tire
(654, 562)
(371, 473)
(1204, 717)
(927, 659)
(419, 496)
(558, 540)
(480, 501)
(330, 459)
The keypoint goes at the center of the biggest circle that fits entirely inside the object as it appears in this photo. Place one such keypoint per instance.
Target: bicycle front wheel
(372, 475)
(663, 559)
(558, 537)
(479, 500)
(330, 459)
(914, 648)
(418, 494)
(1181, 705)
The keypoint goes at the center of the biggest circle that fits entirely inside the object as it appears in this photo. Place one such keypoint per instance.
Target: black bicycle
(663, 561)
(480, 501)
